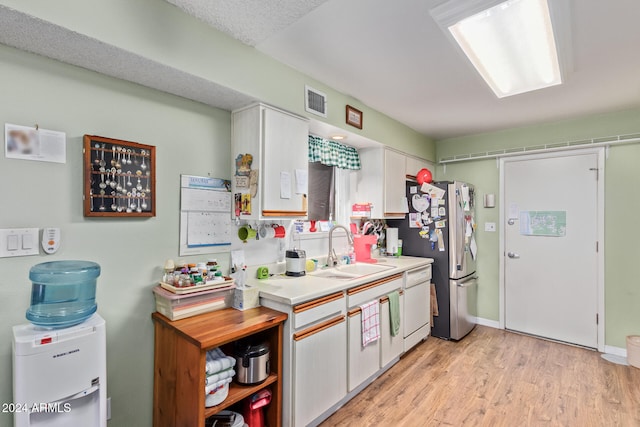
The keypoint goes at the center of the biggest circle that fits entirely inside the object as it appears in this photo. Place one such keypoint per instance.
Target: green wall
(159, 31)
(190, 139)
(622, 288)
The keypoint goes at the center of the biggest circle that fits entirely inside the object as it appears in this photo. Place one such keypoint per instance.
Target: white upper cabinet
(394, 184)
(414, 164)
(269, 149)
(381, 182)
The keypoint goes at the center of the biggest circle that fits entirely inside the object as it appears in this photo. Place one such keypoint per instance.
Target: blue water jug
(63, 293)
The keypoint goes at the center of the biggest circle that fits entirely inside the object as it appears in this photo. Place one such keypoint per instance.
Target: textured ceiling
(34, 35)
(250, 21)
(389, 55)
(393, 57)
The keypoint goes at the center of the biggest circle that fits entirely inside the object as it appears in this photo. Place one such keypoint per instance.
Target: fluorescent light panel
(512, 46)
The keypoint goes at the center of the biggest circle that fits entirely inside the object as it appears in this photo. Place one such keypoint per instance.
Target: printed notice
(543, 223)
(285, 185)
(205, 215)
(32, 143)
(302, 178)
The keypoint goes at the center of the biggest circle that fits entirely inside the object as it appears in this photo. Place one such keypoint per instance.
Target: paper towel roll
(392, 240)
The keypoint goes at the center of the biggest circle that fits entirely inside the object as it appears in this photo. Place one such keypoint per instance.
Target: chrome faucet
(332, 258)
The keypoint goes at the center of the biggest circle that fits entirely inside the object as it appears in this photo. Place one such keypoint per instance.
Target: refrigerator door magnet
(419, 202)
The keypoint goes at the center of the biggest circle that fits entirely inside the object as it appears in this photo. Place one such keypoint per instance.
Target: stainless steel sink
(363, 269)
(351, 271)
(331, 273)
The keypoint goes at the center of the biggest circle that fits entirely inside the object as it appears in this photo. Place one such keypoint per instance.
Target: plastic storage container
(63, 293)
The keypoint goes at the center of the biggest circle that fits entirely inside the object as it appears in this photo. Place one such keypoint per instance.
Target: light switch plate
(18, 242)
(490, 226)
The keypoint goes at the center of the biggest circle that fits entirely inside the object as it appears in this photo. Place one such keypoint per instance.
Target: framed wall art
(119, 178)
(354, 117)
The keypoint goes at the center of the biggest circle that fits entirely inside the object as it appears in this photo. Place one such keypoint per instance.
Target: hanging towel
(370, 322)
(434, 303)
(394, 312)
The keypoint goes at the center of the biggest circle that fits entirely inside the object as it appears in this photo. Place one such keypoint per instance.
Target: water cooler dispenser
(60, 375)
(59, 359)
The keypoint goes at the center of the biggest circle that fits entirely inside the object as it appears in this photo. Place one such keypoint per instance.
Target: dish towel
(217, 361)
(370, 322)
(394, 312)
(434, 303)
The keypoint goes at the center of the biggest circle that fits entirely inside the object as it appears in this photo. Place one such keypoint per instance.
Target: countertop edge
(402, 264)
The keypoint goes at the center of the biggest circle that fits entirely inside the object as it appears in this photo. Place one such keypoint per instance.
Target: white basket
(218, 397)
(633, 350)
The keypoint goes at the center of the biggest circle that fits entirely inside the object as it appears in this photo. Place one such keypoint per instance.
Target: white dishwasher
(417, 306)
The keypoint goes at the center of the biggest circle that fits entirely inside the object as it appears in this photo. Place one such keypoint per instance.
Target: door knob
(513, 255)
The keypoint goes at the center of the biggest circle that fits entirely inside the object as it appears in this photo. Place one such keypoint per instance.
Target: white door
(550, 247)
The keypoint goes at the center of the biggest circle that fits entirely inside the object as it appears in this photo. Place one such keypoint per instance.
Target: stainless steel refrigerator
(441, 225)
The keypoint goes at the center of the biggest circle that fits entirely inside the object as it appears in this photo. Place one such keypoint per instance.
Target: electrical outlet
(490, 226)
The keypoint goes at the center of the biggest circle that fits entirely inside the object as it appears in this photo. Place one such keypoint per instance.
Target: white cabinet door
(363, 361)
(382, 169)
(416, 307)
(285, 151)
(394, 184)
(273, 145)
(390, 346)
(319, 369)
(414, 164)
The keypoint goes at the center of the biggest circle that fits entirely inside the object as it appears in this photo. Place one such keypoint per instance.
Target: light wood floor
(497, 378)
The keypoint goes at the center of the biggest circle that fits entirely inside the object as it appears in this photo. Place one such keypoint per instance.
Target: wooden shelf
(237, 393)
(216, 328)
(180, 359)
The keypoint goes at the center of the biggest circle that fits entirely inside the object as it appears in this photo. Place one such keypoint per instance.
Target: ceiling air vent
(315, 101)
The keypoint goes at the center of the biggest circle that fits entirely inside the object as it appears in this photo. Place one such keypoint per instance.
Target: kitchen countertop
(296, 290)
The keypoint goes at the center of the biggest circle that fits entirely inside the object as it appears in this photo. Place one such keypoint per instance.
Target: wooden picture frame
(119, 178)
(353, 117)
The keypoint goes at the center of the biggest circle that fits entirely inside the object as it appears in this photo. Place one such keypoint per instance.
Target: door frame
(600, 152)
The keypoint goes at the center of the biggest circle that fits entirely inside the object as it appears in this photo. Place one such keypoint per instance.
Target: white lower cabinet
(363, 361)
(320, 361)
(391, 347)
(416, 314)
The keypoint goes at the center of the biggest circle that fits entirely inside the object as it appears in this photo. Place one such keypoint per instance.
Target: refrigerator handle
(468, 282)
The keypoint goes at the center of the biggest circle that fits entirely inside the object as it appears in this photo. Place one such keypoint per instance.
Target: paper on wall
(302, 178)
(473, 247)
(405, 204)
(33, 143)
(440, 240)
(432, 190)
(514, 212)
(285, 185)
(465, 197)
(469, 229)
(414, 220)
(420, 202)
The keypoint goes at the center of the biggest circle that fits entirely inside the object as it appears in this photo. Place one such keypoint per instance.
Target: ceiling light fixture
(512, 44)
(338, 137)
